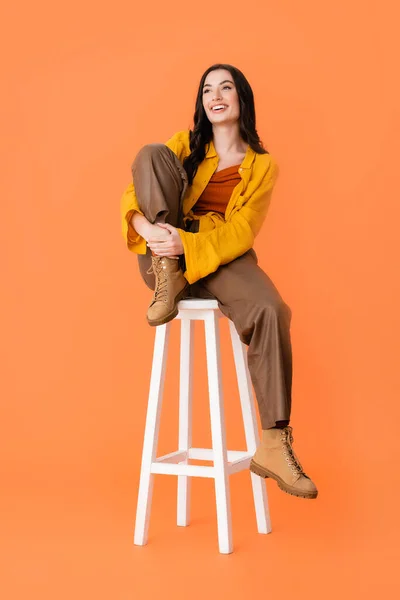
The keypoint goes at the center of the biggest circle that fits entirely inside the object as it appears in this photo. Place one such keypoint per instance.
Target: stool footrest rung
(182, 469)
(171, 464)
(173, 457)
(208, 454)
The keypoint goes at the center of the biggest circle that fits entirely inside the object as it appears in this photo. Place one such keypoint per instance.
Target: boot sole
(263, 472)
(173, 313)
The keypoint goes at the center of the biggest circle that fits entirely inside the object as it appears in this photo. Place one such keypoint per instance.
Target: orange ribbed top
(218, 191)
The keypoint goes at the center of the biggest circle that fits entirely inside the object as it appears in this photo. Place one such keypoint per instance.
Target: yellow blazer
(219, 240)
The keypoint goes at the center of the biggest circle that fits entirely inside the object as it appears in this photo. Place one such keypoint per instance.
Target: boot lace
(157, 266)
(293, 460)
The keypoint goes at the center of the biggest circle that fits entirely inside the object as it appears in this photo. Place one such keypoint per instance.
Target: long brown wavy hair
(202, 132)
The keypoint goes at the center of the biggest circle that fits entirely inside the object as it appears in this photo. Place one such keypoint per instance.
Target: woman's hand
(171, 246)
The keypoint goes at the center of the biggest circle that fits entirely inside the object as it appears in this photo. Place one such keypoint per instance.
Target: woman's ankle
(279, 425)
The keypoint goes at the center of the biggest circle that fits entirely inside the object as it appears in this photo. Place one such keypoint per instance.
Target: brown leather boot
(275, 458)
(170, 287)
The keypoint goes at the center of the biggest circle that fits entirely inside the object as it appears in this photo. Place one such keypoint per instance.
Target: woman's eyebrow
(224, 81)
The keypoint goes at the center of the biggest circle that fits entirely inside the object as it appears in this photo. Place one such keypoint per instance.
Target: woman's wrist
(141, 225)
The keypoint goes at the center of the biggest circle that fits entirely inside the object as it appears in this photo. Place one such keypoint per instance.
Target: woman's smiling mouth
(219, 107)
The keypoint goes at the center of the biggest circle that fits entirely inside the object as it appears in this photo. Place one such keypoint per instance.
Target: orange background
(84, 88)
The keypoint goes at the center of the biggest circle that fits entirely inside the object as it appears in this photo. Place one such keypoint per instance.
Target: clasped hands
(168, 243)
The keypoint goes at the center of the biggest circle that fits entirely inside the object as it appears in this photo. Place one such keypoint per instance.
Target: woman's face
(219, 89)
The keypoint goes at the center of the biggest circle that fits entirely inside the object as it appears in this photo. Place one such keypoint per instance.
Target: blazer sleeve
(206, 251)
(129, 202)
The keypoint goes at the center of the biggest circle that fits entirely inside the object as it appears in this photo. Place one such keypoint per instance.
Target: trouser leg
(160, 184)
(262, 319)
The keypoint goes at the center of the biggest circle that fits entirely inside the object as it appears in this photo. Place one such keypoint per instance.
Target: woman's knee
(148, 151)
(249, 318)
(264, 309)
(161, 154)
(277, 307)
(152, 148)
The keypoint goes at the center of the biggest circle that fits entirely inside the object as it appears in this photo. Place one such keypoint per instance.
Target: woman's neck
(227, 140)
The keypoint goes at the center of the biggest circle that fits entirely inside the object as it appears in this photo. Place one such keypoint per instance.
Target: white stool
(225, 461)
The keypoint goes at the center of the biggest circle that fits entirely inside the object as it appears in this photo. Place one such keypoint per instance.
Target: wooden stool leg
(151, 433)
(250, 428)
(222, 492)
(185, 417)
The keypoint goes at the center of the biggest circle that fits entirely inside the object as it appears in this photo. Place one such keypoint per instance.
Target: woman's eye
(225, 86)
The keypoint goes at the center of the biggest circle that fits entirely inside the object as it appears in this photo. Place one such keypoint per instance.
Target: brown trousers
(244, 292)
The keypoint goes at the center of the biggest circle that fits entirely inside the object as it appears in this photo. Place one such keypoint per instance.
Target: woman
(191, 214)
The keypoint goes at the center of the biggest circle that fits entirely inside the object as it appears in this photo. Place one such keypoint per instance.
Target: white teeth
(220, 106)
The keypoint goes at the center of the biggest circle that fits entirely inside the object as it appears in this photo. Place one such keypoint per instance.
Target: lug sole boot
(275, 458)
(171, 286)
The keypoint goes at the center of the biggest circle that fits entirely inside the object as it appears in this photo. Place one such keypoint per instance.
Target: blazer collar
(247, 161)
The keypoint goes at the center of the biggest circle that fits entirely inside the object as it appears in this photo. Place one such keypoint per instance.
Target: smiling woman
(191, 213)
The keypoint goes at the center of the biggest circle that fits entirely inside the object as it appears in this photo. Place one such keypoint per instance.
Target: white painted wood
(198, 304)
(182, 469)
(197, 309)
(173, 457)
(250, 428)
(235, 458)
(239, 456)
(239, 466)
(222, 491)
(208, 454)
(185, 418)
(146, 482)
(196, 315)
(223, 462)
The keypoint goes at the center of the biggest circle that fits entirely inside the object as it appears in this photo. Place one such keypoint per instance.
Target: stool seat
(197, 303)
(225, 462)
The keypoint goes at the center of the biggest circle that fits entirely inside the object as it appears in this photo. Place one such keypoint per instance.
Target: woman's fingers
(158, 247)
(161, 243)
(156, 243)
(163, 250)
